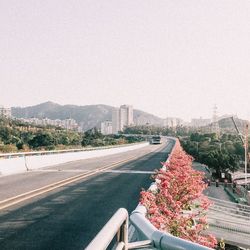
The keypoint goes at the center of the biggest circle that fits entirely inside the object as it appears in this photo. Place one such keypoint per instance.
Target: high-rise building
(106, 128)
(122, 117)
(126, 116)
(5, 112)
(115, 120)
(127, 113)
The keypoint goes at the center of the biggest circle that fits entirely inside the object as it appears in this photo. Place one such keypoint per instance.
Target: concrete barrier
(29, 162)
(12, 166)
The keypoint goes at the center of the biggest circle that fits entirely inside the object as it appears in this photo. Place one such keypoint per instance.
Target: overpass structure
(230, 221)
(227, 220)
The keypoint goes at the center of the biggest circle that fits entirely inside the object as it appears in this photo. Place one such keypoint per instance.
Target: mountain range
(87, 116)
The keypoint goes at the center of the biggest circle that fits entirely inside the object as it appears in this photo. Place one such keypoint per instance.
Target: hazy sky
(170, 58)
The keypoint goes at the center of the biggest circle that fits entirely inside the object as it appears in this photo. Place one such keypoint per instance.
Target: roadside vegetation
(222, 154)
(157, 130)
(16, 136)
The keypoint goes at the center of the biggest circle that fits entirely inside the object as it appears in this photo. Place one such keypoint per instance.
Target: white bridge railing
(20, 162)
(52, 152)
(117, 225)
(160, 240)
(149, 236)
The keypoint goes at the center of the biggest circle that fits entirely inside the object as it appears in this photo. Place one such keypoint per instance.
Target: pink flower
(179, 188)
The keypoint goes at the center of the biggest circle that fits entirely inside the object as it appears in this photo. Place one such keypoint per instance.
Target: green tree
(220, 154)
(42, 139)
(90, 137)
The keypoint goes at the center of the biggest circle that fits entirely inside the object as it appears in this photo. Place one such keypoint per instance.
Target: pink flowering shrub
(178, 205)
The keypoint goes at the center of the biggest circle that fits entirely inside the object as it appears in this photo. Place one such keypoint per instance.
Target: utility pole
(245, 144)
(236, 127)
(246, 154)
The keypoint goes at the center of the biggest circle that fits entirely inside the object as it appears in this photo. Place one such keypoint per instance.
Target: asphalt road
(70, 216)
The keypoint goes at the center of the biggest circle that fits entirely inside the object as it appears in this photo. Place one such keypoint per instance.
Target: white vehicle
(155, 140)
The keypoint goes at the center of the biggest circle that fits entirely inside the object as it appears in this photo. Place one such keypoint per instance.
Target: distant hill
(143, 118)
(87, 117)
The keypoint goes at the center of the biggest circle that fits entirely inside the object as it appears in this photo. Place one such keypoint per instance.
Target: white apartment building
(122, 117)
(69, 124)
(106, 128)
(5, 112)
(115, 120)
(127, 115)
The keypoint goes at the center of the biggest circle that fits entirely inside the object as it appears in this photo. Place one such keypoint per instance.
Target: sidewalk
(213, 191)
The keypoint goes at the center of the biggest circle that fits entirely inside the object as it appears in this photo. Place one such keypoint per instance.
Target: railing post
(25, 162)
(122, 235)
(116, 226)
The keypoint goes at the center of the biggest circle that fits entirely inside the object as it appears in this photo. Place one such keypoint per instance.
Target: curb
(236, 199)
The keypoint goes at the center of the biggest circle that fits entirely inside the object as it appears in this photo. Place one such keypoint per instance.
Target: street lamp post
(246, 154)
(245, 144)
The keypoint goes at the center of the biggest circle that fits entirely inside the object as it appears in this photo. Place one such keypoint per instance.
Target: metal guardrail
(160, 240)
(150, 237)
(117, 225)
(49, 152)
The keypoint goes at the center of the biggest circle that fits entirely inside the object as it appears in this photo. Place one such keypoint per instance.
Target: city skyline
(171, 59)
(166, 120)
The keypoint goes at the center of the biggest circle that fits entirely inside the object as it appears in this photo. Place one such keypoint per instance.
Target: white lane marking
(60, 170)
(33, 193)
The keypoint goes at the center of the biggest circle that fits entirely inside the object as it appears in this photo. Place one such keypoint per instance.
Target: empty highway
(67, 215)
